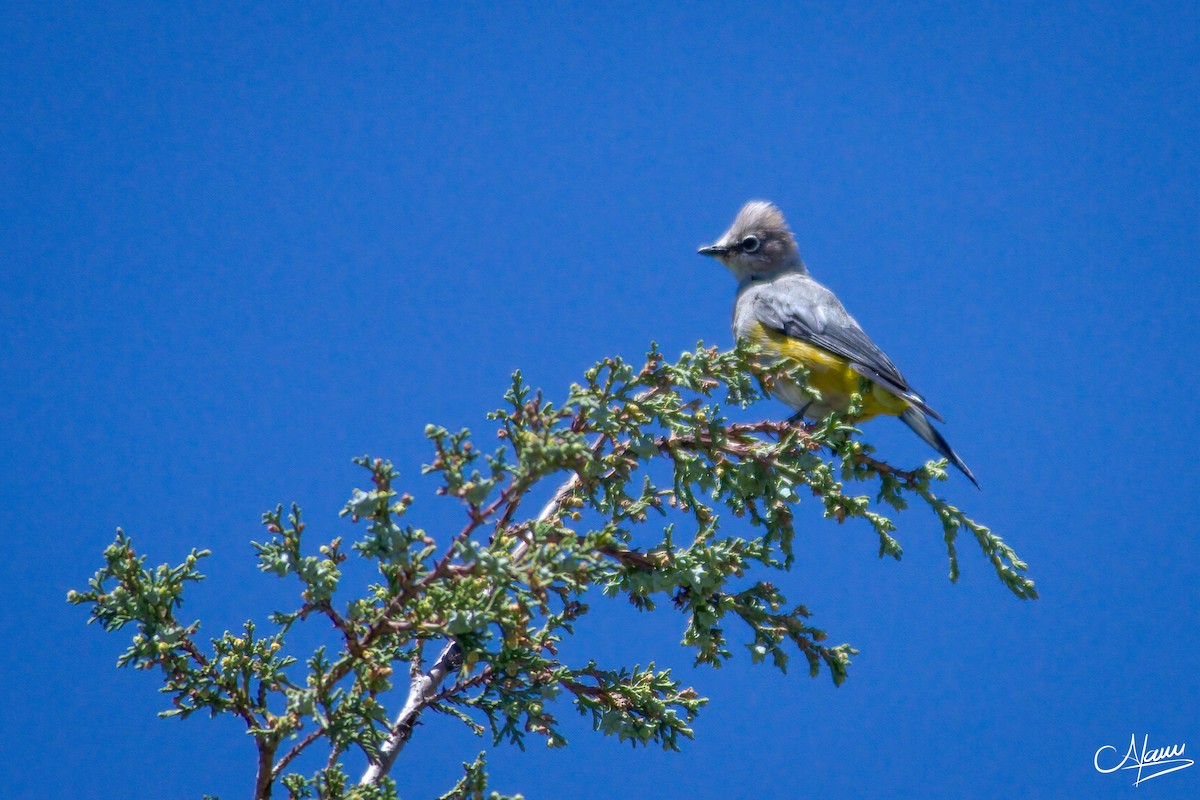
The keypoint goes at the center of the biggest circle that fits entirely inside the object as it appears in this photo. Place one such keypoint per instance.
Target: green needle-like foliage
(712, 520)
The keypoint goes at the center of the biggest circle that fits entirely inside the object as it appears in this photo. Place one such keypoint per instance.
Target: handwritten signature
(1148, 763)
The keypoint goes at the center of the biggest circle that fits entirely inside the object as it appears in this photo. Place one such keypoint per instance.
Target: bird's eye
(750, 244)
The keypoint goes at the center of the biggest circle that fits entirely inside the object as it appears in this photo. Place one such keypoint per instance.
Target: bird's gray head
(758, 244)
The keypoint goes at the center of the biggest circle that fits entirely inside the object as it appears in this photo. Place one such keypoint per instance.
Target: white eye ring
(751, 244)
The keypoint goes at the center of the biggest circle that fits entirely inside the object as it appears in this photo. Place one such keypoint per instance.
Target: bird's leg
(798, 417)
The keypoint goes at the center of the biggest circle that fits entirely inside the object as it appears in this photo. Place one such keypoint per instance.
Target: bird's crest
(759, 216)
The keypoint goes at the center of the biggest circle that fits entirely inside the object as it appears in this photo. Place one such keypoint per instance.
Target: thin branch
(483, 677)
(882, 467)
(441, 569)
(478, 516)
(296, 750)
(242, 710)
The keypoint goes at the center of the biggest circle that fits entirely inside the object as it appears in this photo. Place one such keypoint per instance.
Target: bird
(785, 312)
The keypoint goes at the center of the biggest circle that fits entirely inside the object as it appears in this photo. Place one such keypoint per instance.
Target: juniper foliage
(645, 450)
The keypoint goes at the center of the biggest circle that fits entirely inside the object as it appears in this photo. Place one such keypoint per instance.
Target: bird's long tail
(913, 418)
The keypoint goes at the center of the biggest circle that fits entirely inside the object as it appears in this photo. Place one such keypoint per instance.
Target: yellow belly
(829, 374)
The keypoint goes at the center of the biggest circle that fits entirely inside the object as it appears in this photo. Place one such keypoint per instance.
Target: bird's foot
(798, 417)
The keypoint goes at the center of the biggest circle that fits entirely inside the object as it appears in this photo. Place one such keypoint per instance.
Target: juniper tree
(468, 623)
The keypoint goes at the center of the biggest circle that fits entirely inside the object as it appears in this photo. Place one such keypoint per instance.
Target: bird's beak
(714, 250)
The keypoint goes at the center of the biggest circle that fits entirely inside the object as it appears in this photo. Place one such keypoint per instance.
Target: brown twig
(295, 750)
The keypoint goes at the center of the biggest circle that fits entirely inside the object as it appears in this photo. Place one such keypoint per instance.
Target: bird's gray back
(795, 304)
(790, 296)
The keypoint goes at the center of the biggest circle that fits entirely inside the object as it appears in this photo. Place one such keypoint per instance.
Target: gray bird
(785, 312)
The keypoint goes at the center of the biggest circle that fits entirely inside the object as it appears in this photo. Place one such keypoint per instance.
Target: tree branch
(296, 750)
(423, 689)
(739, 442)
(265, 778)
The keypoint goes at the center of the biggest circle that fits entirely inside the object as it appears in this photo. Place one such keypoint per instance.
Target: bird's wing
(800, 307)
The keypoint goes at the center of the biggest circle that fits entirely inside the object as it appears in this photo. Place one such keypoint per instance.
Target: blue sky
(242, 245)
